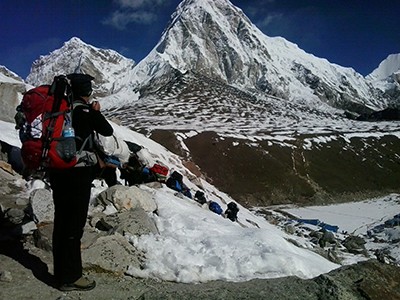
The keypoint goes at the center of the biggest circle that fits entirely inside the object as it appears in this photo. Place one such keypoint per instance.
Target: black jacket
(86, 121)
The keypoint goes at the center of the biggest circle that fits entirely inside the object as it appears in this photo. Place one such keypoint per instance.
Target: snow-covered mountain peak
(76, 42)
(388, 67)
(107, 66)
(217, 40)
(8, 76)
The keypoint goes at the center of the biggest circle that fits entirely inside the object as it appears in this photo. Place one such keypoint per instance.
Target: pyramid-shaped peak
(206, 5)
(386, 68)
(75, 41)
(211, 3)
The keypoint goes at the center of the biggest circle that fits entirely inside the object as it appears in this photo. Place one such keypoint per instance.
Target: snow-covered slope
(196, 245)
(107, 66)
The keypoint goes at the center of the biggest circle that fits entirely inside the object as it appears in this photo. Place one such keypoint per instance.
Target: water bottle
(68, 131)
(67, 147)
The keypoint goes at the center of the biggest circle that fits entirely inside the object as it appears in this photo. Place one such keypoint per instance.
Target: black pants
(109, 175)
(71, 195)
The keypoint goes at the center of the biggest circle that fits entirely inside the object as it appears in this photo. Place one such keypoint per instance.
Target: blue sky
(351, 33)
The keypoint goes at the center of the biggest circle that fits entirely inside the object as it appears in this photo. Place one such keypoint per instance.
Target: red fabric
(31, 152)
(37, 102)
(159, 169)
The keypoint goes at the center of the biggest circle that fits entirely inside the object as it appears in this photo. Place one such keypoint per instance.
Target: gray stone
(316, 234)
(5, 276)
(355, 245)
(329, 237)
(112, 253)
(14, 215)
(28, 228)
(6, 175)
(153, 185)
(90, 236)
(134, 222)
(43, 236)
(125, 198)
(42, 206)
(22, 201)
(290, 229)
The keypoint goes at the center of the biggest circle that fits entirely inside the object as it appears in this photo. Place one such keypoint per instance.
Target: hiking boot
(82, 284)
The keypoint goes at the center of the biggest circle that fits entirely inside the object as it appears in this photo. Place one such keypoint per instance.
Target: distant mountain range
(228, 98)
(215, 39)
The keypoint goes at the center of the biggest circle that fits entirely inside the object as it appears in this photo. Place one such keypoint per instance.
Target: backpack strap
(90, 138)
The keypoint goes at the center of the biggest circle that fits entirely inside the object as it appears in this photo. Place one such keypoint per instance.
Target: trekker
(71, 188)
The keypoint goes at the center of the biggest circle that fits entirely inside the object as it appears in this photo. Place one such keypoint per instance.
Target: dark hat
(81, 84)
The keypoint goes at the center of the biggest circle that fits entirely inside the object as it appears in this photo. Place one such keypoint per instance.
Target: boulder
(327, 238)
(125, 198)
(14, 216)
(41, 202)
(355, 244)
(135, 221)
(112, 253)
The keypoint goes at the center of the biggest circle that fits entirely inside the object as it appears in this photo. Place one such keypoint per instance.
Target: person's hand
(96, 105)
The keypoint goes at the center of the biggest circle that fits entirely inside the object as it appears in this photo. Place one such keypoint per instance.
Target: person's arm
(100, 124)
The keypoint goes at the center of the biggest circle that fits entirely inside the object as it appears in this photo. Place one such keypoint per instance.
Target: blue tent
(317, 222)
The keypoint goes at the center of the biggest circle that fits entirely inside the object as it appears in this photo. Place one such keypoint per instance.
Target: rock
(90, 236)
(5, 276)
(43, 236)
(134, 222)
(316, 234)
(333, 256)
(41, 202)
(355, 245)
(125, 198)
(327, 238)
(22, 201)
(112, 253)
(14, 215)
(28, 228)
(4, 173)
(290, 229)
(383, 256)
(154, 185)
(6, 167)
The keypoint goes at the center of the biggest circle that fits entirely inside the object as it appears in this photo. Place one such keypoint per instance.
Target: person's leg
(71, 194)
(110, 176)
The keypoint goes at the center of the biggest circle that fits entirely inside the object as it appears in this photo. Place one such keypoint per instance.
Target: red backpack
(43, 116)
(160, 172)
